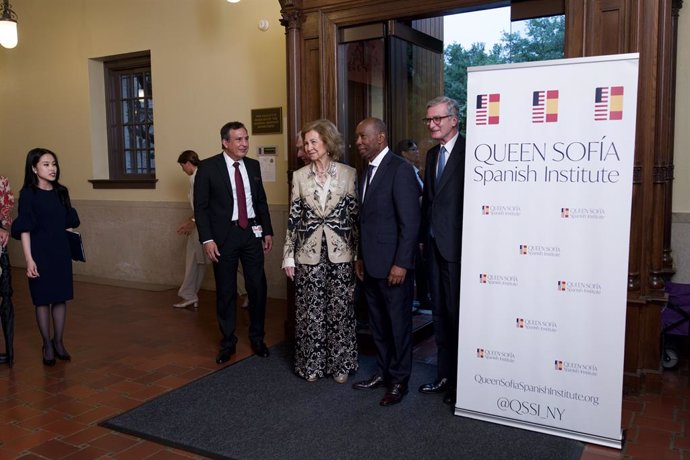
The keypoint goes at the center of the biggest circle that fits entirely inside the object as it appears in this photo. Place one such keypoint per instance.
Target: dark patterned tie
(370, 171)
(242, 220)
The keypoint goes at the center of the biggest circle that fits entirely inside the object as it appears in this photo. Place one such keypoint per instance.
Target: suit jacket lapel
(378, 176)
(311, 200)
(454, 160)
(432, 160)
(225, 174)
(360, 186)
(314, 188)
(337, 191)
(251, 174)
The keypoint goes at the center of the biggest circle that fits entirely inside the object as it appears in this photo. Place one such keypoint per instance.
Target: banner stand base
(615, 443)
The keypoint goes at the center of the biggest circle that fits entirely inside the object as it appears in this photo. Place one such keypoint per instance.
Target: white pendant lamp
(8, 25)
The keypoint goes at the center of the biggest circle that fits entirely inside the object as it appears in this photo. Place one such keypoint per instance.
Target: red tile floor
(129, 345)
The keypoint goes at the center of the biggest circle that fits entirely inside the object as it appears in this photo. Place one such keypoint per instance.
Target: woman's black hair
(189, 156)
(31, 178)
(403, 145)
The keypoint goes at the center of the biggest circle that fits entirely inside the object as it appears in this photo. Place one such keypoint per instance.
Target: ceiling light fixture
(8, 25)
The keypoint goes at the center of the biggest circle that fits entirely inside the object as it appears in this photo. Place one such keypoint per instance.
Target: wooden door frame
(593, 27)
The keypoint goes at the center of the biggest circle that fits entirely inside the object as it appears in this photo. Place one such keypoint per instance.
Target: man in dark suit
(231, 213)
(389, 228)
(441, 234)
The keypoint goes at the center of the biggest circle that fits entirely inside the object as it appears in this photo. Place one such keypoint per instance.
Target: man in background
(299, 145)
(195, 259)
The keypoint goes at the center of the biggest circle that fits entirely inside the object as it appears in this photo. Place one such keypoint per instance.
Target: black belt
(250, 222)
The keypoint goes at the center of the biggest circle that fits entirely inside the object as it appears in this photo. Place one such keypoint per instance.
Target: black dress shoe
(260, 349)
(394, 394)
(225, 354)
(3, 358)
(60, 356)
(372, 382)
(449, 397)
(47, 362)
(439, 386)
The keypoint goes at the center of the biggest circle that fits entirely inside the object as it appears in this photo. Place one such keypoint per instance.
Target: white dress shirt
(247, 189)
(376, 162)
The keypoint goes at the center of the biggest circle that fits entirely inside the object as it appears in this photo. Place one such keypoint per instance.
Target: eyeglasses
(436, 120)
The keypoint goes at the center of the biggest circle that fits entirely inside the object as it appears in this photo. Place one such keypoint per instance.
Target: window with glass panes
(129, 104)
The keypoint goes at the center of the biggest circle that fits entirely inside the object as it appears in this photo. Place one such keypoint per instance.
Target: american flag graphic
(545, 106)
(488, 109)
(608, 103)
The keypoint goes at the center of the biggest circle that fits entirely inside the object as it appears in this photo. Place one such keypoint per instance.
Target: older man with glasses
(441, 235)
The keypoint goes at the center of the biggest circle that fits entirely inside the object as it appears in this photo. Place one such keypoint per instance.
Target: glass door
(416, 77)
(387, 70)
(361, 85)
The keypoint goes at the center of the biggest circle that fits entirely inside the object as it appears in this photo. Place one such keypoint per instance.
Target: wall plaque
(267, 121)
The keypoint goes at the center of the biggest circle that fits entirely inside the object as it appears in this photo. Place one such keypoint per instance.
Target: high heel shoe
(60, 356)
(186, 303)
(47, 362)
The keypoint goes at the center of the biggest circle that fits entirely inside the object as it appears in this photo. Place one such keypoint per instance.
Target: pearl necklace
(328, 171)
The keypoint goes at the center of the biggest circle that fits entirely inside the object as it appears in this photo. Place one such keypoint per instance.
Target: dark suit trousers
(390, 320)
(444, 286)
(421, 281)
(240, 246)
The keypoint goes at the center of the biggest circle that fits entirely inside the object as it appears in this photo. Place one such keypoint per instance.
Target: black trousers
(241, 246)
(390, 320)
(444, 286)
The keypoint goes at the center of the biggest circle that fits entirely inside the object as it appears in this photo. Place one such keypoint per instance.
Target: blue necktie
(441, 164)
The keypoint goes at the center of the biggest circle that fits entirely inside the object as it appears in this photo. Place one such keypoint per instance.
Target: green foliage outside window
(543, 41)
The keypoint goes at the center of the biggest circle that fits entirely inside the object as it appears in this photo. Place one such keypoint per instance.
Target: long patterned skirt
(325, 338)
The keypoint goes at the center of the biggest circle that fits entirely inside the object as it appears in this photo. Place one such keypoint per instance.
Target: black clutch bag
(76, 246)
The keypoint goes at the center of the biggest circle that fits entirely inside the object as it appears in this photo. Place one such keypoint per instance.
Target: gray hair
(452, 105)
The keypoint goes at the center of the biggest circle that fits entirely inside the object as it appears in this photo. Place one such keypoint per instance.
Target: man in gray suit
(441, 234)
(389, 226)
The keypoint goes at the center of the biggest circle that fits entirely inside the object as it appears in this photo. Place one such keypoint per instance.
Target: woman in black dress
(45, 214)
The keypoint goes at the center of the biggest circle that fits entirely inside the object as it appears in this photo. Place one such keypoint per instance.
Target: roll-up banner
(546, 229)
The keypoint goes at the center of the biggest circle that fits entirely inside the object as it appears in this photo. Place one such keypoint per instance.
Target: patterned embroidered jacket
(308, 220)
(6, 203)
